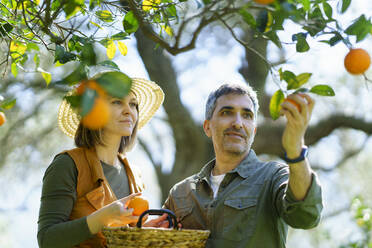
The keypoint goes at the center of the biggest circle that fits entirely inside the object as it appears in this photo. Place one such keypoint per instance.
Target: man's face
(232, 126)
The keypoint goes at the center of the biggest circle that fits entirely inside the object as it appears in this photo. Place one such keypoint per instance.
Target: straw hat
(149, 95)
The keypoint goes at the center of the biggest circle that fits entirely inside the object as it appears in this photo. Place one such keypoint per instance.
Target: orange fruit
(357, 61)
(264, 1)
(2, 118)
(92, 84)
(98, 116)
(294, 103)
(139, 205)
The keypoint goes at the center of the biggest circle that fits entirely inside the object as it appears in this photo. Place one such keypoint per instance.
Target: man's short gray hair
(226, 89)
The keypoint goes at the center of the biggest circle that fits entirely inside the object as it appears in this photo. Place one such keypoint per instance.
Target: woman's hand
(113, 214)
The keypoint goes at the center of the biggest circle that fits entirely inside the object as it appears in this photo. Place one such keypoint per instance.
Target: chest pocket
(240, 214)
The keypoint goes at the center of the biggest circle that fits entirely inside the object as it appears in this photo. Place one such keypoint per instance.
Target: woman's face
(124, 115)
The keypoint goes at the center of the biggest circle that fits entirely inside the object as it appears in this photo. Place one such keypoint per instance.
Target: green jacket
(253, 208)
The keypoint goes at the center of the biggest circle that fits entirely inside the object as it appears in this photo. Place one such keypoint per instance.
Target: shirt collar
(244, 169)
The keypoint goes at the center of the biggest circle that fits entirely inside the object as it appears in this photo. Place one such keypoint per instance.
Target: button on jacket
(253, 207)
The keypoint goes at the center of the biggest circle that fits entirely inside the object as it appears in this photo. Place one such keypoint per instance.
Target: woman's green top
(58, 197)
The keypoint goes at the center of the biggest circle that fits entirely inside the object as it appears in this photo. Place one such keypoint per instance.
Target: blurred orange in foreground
(2, 118)
(91, 84)
(357, 61)
(139, 205)
(98, 116)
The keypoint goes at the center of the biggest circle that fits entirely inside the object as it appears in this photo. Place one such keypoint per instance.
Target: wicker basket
(137, 237)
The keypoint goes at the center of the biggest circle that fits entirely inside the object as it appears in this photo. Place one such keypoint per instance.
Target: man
(245, 202)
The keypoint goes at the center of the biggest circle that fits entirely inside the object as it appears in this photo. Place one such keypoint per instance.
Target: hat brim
(149, 95)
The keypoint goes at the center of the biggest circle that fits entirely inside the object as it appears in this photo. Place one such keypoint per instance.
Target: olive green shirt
(58, 196)
(253, 207)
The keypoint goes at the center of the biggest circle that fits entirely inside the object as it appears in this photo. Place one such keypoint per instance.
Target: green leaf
(37, 60)
(335, 39)
(74, 100)
(275, 102)
(62, 56)
(75, 44)
(5, 28)
(88, 55)
(345, 5)
(109, 64)
(274, 38)
(248, 18)
(94, 3)
(32, 46)
(8, 103)
(130, 23)
(322, 90)
(303, 78)
(105, 42)
(207, 1)
(360, 28)
(302, 45)
(104, 15)
(171, 11)
(74, 77)
(290, 78)
(120, 36)
(87, 101)
(327, 10)
(14, 69)
(71, 7)
(306, 4)
(115, 83)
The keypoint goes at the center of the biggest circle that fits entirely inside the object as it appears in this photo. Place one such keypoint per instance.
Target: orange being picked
(98, 116)
(357, 61)
(139, 205)
(264, 1)
(2, 118)
(294, 103)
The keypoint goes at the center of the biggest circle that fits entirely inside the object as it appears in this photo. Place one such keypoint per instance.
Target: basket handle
(171, 217)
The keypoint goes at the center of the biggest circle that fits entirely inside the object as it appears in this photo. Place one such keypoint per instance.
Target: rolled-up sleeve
(304, 214)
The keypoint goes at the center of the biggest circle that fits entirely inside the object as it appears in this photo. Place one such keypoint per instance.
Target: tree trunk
(193, 148)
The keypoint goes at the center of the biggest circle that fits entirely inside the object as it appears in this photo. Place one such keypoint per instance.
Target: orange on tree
(139, 205)
(357, 61)
(264, 1)
(98, 116)
(2, 118)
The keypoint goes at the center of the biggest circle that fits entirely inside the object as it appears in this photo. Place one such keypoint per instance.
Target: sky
(199, 71)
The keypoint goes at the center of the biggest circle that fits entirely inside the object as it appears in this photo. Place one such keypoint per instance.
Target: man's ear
(255, 130)
(206, 127)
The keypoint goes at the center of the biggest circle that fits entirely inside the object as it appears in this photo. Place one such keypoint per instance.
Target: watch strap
(300, 158)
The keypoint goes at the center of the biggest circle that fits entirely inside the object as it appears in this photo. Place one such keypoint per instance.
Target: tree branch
(174, 50)
(343, 160)
(273, 131)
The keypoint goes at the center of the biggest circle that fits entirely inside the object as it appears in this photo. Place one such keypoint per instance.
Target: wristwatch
(300, 158)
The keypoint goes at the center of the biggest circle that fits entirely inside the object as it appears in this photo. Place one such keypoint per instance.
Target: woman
(87, 188)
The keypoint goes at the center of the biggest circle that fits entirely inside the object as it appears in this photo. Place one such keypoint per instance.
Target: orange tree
(72, 30)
